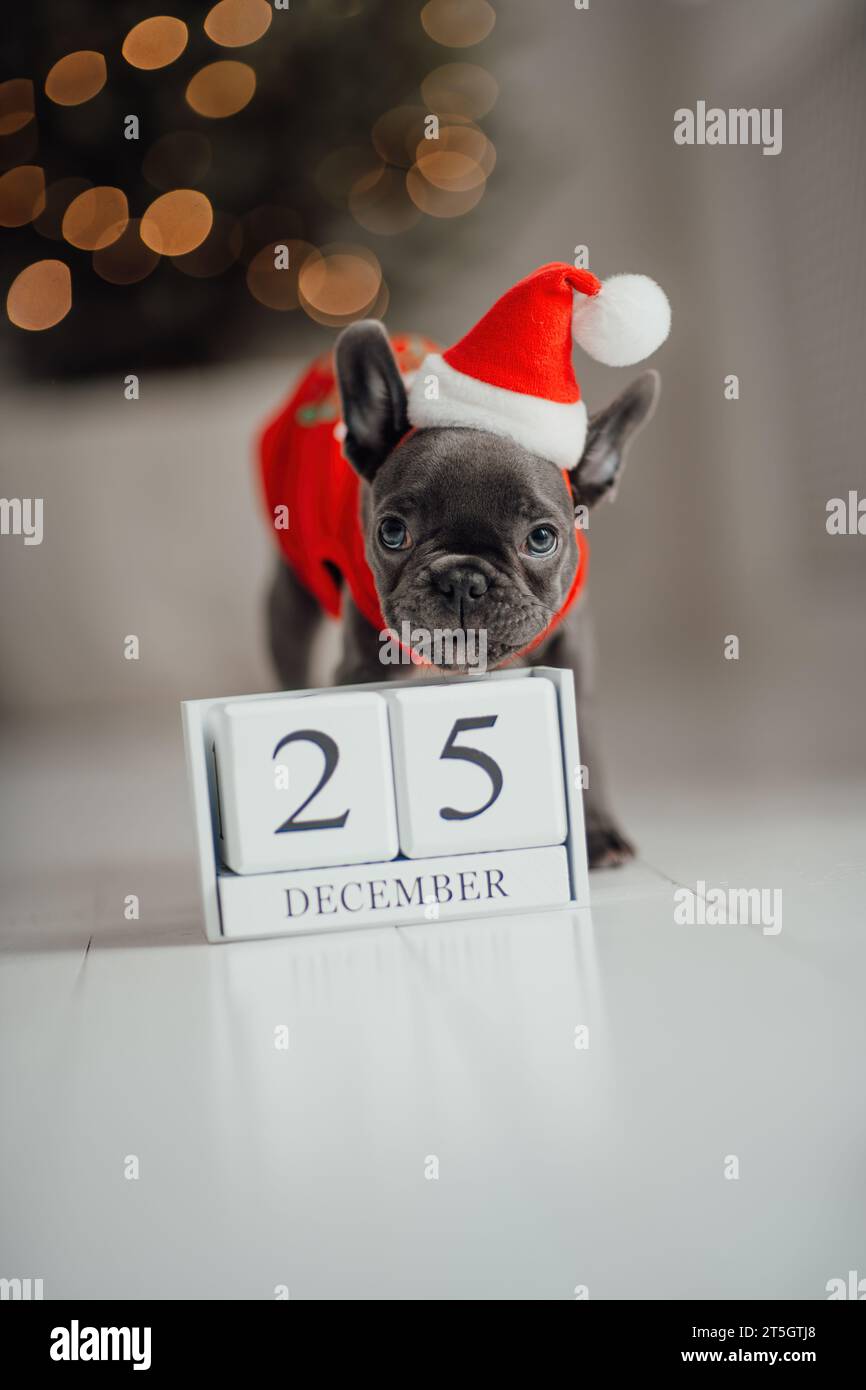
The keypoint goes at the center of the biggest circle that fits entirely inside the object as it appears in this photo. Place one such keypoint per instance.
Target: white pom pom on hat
(624, 322)
(512, 374)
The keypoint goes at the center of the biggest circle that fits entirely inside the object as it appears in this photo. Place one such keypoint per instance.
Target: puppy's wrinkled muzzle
(461, 586)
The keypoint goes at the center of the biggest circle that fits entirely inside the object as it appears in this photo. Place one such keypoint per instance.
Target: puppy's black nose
(461, 585)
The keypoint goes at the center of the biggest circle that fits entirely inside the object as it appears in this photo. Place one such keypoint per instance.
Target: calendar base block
(397, 893)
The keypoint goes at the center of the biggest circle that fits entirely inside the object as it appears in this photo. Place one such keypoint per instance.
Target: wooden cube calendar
(387, 804)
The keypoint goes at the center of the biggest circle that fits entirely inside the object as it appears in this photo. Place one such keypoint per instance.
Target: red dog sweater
(312, 493)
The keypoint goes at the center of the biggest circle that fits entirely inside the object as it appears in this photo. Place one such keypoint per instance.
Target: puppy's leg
(572, 646)
(293, 616)
(360, 659)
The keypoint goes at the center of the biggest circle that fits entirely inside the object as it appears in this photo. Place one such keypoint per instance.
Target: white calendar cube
(303, 782)
(477, 766)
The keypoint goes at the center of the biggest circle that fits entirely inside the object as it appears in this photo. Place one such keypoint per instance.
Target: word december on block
(392, 803)
(398, 893)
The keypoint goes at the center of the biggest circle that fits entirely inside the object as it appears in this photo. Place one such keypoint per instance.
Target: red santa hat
(512, 374)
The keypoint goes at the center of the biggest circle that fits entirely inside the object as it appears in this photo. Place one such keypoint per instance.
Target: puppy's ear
(607, 438)
(373, 396)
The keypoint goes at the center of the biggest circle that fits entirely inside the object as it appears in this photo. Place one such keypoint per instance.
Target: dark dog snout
(461, 585)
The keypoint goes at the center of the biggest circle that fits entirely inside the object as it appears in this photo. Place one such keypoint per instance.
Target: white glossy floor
(557, 1167)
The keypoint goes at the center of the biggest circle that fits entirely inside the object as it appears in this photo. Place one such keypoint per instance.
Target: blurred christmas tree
(298, 124)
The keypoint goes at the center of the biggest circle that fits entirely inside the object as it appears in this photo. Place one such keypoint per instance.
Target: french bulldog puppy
(465, 529)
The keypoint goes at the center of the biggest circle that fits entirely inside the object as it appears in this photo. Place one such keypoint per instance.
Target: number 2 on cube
(336, 803)
(332, 756)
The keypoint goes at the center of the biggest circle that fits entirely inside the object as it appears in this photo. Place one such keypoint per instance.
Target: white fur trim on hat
(627, 320)
(552, 429)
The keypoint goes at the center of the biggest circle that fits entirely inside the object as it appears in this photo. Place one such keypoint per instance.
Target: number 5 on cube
(478, 766)
(304, 782)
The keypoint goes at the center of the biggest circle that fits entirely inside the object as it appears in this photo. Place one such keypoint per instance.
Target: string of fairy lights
(410, 167)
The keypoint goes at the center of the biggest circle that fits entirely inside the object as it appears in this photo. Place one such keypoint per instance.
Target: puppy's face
(465, 530)
(468, 531)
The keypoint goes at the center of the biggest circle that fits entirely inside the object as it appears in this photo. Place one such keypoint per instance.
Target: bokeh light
(440, 202)
(458, 23)
(40, 296)
(177, 160)
(459, 160)
(220, 249)
(340, 282)
(397, 132)
(273, 287)
(221, 89)
(155, 42)
(380, 308)
(379, 203)
(76, 78)
(177, 222)
(451, 170)
(461, 88)
(127, 260)
(96, 218)
(376, 310)
(235, 23)
(58, 196)
(22, 195)
(16, 104)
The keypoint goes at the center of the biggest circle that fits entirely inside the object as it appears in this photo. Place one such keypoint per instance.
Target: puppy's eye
(542, 540)
(393, 534)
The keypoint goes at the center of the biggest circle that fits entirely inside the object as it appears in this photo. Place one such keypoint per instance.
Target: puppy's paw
(607, 848)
